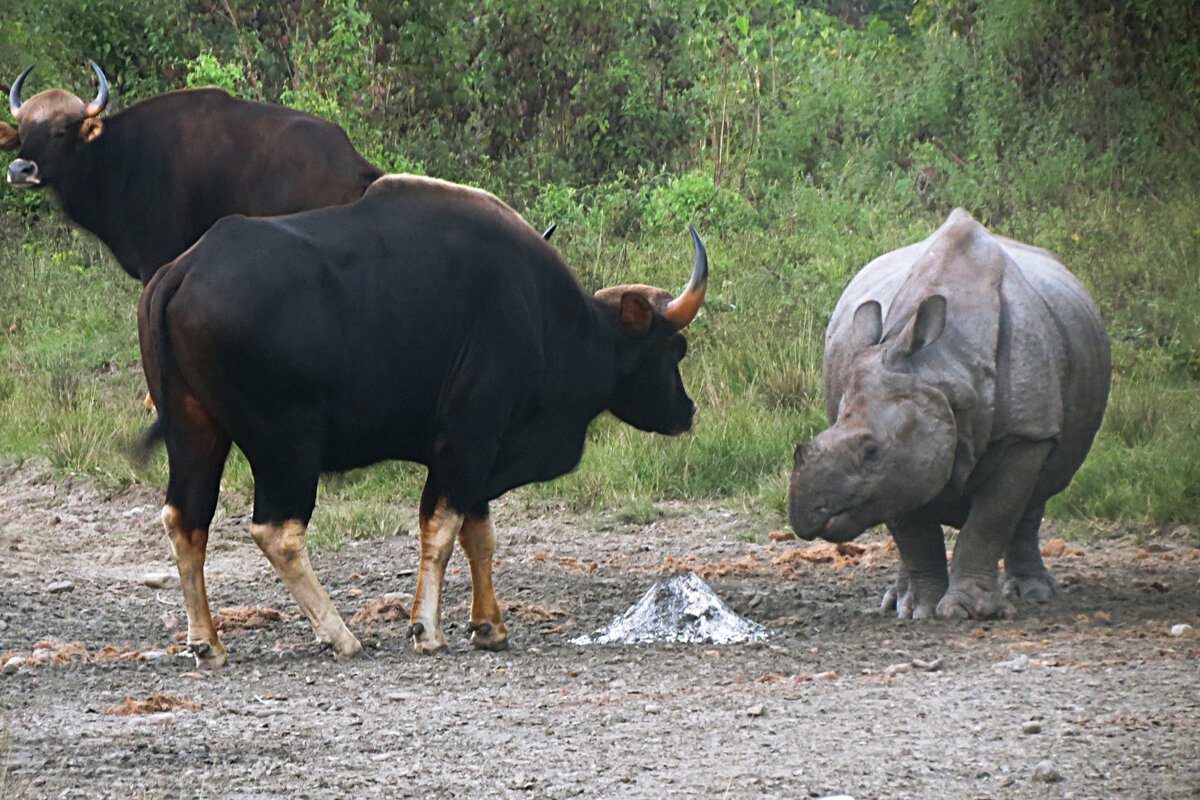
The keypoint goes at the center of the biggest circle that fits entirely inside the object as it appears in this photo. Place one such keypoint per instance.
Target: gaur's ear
(90, 128)
(926, 325)
(9, 139)
(636, 312)
(868, 325)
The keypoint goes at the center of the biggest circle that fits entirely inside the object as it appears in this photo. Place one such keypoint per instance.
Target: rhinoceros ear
(868, 325)
(926, 325)
(800, 455)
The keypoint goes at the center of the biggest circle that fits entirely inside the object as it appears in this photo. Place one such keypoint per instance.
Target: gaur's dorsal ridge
(408, 184)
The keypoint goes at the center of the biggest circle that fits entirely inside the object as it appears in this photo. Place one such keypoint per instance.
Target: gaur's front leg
(439, 525)
(1025, 573)
(996, 508)
(285, 546)
(478, 540)
(922, 579)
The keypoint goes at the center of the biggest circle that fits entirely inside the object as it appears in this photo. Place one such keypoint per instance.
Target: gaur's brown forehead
(52, 105)
(658, 297)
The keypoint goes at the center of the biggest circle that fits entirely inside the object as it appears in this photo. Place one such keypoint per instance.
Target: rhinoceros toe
(913, 599)
(1038, 587)
(974, 599)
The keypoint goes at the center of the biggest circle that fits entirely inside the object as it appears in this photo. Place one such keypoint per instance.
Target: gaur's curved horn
(14, 95)
(683, 309)
(550, 232)
(96, 106)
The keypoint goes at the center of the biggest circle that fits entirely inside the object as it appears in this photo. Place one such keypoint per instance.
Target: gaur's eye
(59, 134)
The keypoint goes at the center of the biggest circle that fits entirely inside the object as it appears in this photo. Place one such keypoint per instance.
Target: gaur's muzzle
(23, 172)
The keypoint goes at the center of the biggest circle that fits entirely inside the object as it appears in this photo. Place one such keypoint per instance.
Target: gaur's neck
(95, 192)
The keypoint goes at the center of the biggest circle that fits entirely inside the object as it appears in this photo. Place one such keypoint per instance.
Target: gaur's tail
(148, 442)
(156, 353)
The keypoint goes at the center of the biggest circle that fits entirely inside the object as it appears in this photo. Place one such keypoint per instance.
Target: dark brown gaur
(148, 181)
(475, 352)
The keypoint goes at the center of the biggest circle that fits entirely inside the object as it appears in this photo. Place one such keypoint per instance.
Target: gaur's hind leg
(478, 540)
(1025, 573)
(922, 579)
(439, 525)
(196, 451)
(283, 503)
(996, 508)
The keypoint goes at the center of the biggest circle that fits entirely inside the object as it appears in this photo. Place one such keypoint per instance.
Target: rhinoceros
(965, 378)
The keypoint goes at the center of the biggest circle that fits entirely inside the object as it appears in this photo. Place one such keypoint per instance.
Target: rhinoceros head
(891, 449)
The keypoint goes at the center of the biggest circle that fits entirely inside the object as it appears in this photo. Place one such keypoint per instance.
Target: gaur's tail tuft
(148, 442)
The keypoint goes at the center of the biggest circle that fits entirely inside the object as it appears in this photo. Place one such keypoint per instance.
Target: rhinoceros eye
(870, 451)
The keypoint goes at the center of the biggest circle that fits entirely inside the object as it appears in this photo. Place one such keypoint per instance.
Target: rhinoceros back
(1045, 305)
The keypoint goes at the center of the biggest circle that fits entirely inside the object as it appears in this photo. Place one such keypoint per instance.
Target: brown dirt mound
(380, 609)
(156, 703)
(1056, 548)
(233, 621)
(531, 612)
(51, 651)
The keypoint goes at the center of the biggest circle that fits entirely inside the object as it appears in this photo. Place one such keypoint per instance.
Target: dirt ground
(843, 700)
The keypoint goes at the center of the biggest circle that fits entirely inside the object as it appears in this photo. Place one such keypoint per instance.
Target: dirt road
(1089, 697)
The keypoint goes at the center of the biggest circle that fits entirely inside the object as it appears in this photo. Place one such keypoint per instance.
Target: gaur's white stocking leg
(478, 540)
(284, 546)
(995, 511)
(188, 547)
(438, 529)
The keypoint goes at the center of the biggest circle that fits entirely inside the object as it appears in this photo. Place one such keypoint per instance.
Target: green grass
(71, 386)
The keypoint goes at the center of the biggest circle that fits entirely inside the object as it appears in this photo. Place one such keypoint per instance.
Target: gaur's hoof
(425, 643)
(485, 636)
(348, 651)
(207, 655)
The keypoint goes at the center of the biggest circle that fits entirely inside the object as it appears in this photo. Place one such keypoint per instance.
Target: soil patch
(840, 700)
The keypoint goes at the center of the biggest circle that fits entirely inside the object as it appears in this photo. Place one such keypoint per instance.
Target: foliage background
(803, 140)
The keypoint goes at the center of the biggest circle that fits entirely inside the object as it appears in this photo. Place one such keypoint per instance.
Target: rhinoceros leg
(996, 508)
(922, 578)
(1025, 574)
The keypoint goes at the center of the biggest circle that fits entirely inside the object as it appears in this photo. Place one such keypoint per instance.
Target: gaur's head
(649, 393)
(892, 448)
(51, 127)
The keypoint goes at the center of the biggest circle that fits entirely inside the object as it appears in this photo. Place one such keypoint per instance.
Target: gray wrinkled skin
(965, 378)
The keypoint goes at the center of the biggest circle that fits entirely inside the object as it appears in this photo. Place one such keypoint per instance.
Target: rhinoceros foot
(1036, 587)
(914, 598)
(974, 598)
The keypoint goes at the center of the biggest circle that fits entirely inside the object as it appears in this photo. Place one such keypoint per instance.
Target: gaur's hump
(419, 188)
(407, 187)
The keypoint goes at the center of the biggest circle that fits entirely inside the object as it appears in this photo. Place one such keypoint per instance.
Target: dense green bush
(803, 140)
